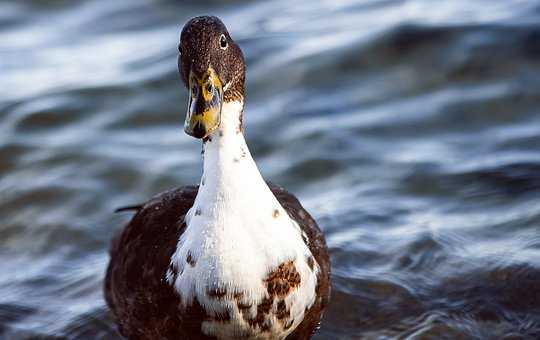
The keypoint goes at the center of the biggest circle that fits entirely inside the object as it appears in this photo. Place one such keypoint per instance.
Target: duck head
(212, 68)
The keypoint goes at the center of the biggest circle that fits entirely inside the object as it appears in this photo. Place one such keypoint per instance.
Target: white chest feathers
(241, 257)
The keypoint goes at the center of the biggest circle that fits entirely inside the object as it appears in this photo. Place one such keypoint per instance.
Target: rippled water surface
(410, 130)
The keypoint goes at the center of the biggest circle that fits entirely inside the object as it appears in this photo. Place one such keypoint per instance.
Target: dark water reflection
(410, 129)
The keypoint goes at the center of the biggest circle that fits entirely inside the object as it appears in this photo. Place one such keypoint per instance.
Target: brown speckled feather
(146, 306)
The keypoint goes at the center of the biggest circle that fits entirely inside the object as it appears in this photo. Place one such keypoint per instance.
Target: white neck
(229, 168)
(237, 232)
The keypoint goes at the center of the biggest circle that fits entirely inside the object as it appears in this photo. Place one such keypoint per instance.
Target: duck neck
(229, 172)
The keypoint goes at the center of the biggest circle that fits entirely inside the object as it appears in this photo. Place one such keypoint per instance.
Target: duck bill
(205, 102)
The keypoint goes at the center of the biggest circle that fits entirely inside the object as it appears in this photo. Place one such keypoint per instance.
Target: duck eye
(223, 41)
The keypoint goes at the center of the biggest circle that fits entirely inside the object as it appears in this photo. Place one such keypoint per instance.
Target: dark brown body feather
(145, 306)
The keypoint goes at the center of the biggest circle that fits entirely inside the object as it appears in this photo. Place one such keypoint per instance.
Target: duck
(234, 257)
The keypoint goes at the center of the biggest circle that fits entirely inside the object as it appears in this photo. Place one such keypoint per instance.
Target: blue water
(409, 129)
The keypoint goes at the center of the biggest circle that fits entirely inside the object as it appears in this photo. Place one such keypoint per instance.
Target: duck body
(146, 306)
(231, 258)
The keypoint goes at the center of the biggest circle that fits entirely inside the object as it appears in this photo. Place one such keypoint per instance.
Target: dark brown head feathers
(205, 42)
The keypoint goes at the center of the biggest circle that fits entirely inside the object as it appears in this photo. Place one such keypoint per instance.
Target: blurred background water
(410, 130)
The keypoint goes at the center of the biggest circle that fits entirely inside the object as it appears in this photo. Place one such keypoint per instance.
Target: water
(410, 130)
